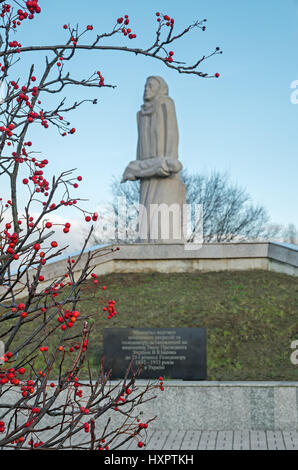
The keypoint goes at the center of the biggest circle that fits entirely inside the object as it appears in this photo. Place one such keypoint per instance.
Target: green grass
(251, 317)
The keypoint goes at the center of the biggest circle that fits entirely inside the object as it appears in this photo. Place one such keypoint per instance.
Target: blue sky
(243, 123)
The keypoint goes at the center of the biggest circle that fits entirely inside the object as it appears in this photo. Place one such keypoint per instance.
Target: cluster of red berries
(28, 389)
(6, 357)
(30, 224)
(68, 319)
(74, 41)
(168, 21)
(66, 227)
(86, 427)
(13, 240)
(94, 217)
(101, 79)
(2, 426)
(35, 410)
(84, 410)
(8, 130)
(95, 278)
(72, 349)
(41, 184)
(170, 57)
(33, 7)
(103, 448)
(5, 9)
(32, 115)
(76, 385)
(161, 383)
(17, 45)
(23, 97)
(59, 63)
(10, 375)
(126, 31)
(143, 425)
(110, 309)
(36, 444)
(22, 15)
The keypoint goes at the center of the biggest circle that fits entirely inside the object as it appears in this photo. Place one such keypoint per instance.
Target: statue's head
(155, 86)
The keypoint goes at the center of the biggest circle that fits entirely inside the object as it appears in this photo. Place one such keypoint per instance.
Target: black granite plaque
(176, 353)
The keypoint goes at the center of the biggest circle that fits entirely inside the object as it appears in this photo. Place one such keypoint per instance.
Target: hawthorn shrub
(37, 412)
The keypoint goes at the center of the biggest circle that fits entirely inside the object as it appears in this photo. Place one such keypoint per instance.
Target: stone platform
(173, 258)
(217, 440)
(205, 415)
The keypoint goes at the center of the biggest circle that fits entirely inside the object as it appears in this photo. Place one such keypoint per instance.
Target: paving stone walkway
(218, 440)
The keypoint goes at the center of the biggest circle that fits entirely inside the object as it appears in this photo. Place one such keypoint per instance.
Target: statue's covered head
(155, 86)
(156, 91)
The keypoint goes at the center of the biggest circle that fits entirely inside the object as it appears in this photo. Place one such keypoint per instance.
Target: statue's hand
(128, 175)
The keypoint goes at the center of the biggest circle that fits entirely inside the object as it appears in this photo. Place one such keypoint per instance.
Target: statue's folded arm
(151, 167)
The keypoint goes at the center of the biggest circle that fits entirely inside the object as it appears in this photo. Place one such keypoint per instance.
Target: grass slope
(251, 316)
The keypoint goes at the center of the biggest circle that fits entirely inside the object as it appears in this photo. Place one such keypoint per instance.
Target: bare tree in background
(290, 234)
(228, 211)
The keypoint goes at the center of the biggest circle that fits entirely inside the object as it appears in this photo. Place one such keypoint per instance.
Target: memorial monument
(162, 193)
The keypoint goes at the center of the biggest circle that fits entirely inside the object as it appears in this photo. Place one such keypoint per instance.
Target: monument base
(180, 257)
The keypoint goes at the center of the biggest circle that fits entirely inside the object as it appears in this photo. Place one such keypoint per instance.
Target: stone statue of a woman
(157, 164)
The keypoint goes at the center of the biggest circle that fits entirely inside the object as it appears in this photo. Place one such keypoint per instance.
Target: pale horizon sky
(243, 123)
